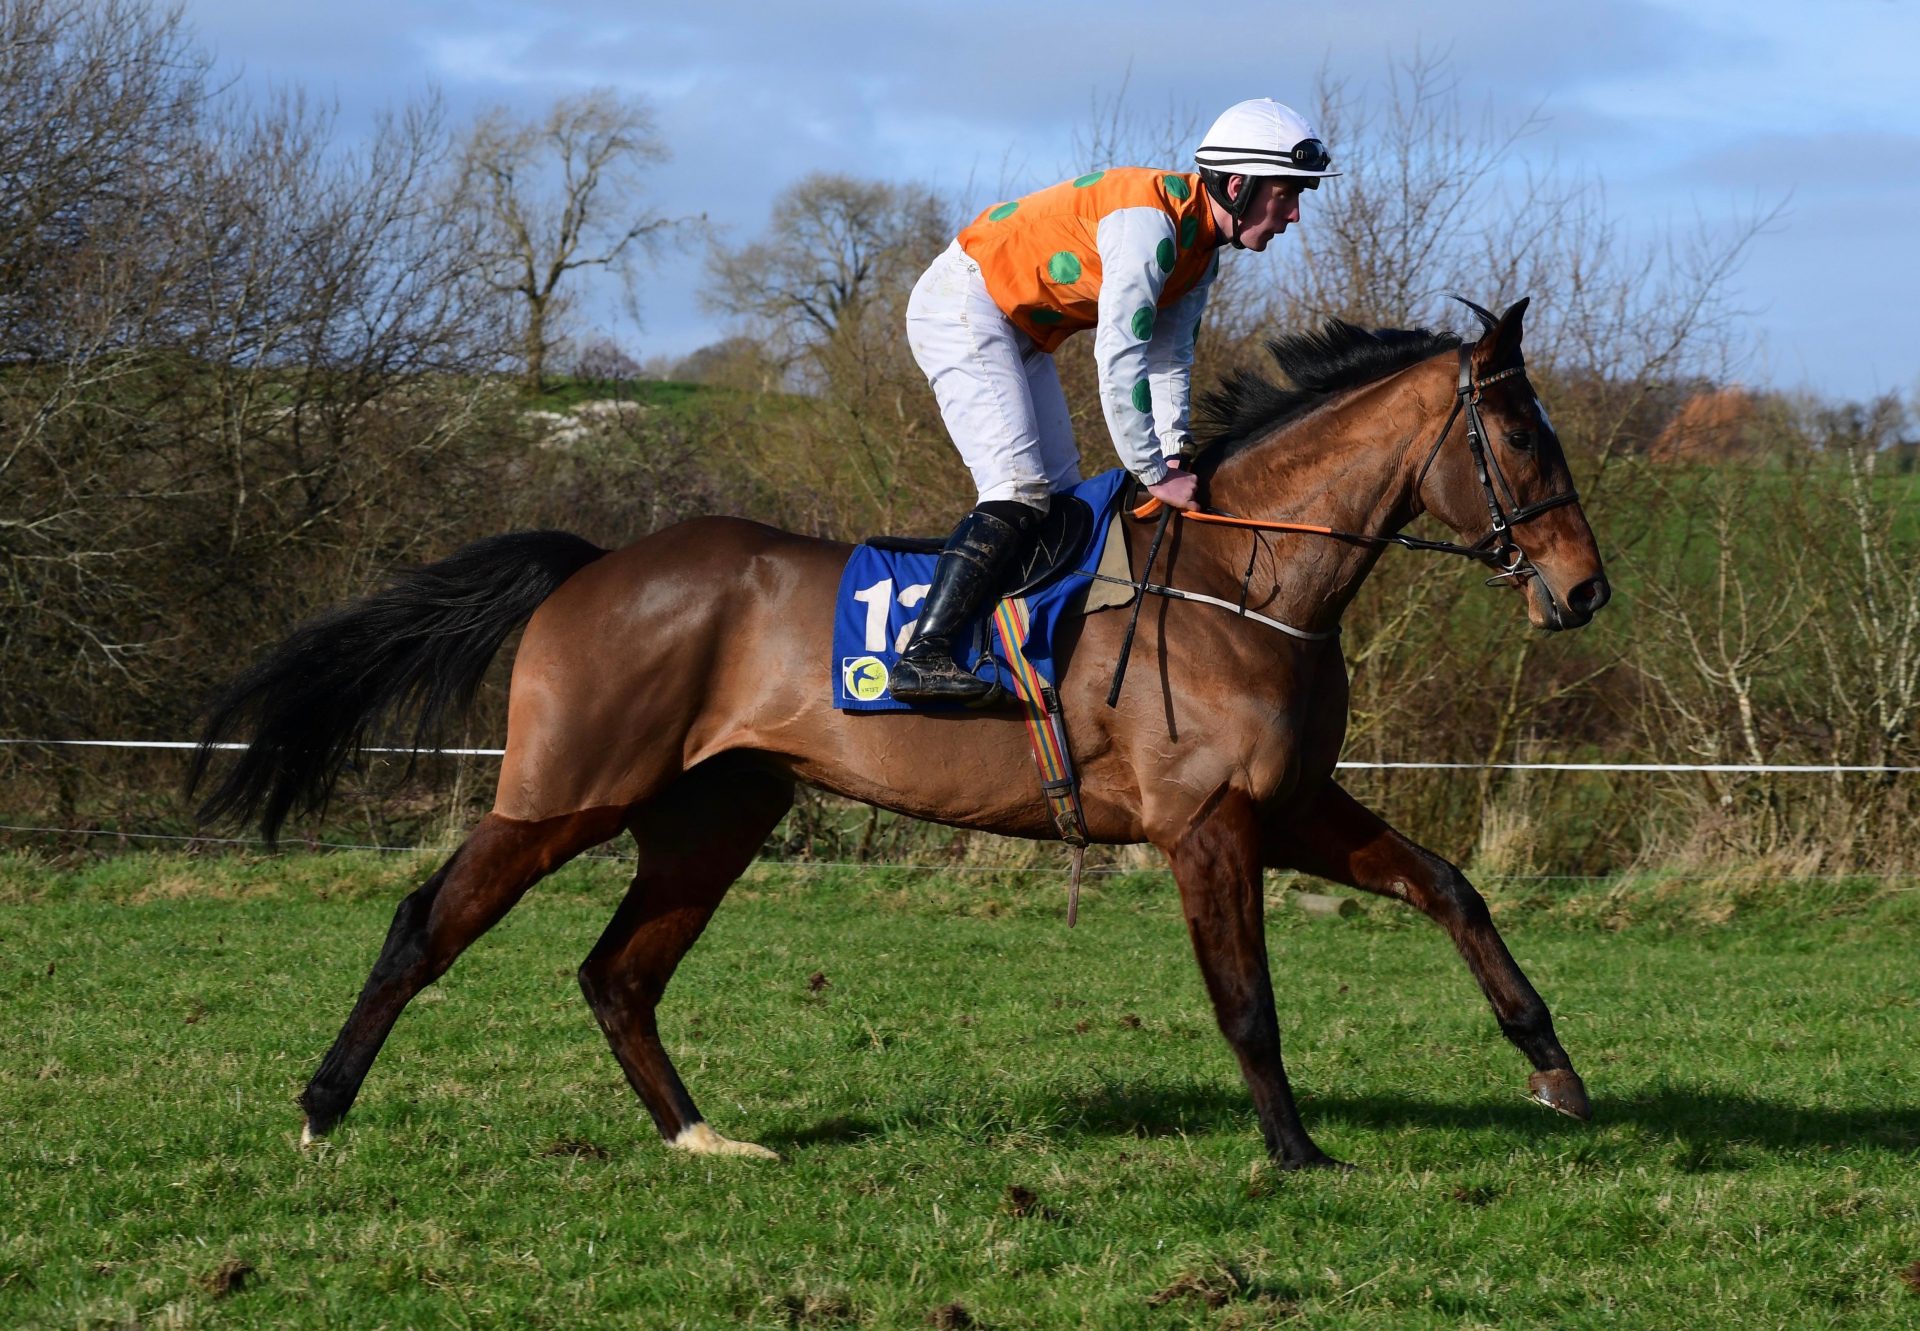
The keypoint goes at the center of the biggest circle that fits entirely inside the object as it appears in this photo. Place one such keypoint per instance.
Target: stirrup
(936, 677)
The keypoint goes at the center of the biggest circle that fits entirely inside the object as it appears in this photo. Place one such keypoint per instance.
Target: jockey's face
(1276, 204)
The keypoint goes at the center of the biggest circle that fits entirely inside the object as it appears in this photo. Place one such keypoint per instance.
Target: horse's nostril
(1589, 596)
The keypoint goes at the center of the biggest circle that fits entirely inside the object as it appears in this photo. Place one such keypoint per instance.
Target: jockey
(1129, 252)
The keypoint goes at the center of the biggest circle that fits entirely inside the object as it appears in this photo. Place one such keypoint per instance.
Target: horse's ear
(1499, 347)
(1480, 312)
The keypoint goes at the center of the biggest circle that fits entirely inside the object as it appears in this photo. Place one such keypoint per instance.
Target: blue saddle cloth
(878, 605)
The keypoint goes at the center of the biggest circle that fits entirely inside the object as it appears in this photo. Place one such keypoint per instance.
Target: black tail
(417, 648)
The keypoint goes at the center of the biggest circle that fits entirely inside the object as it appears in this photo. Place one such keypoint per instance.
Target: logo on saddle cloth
(864, 677)
(878, 606)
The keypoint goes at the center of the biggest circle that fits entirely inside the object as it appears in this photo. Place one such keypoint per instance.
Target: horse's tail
(417, 648)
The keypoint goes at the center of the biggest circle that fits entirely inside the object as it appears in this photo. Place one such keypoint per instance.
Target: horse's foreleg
(493, 868)
(695, 839)
(1338, 838)
(1216, 863)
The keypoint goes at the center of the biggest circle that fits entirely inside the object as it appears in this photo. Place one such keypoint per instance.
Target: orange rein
(1153, 506)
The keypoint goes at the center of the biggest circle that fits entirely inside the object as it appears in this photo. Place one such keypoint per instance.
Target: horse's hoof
(701, 1139)
(1318, 1160)
(1561, 1089)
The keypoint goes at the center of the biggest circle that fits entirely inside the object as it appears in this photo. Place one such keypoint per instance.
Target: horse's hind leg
(1337, 837)
(493, 868)
(695, 839)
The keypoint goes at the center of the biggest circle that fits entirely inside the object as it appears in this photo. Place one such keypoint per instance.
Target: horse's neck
(1347, 466)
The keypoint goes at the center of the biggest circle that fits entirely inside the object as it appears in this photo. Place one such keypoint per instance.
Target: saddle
(1074, 563)
(1051, 551)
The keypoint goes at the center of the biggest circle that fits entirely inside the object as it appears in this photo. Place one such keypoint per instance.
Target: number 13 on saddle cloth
(877, 606)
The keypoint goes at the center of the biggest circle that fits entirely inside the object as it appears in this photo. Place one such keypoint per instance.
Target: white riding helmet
(1257, 138)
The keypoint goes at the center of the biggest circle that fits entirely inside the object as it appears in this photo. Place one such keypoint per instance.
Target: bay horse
(677, 689)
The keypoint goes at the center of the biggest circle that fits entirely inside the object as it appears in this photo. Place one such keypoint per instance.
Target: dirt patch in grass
(574, 1147)
(230, 1277)
(818, 1310)
(1024, 1203)
(1212, 1287)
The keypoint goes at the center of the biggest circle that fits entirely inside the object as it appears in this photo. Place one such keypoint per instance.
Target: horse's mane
(1316, 365)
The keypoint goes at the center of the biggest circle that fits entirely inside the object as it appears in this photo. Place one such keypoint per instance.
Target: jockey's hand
(1179, 489)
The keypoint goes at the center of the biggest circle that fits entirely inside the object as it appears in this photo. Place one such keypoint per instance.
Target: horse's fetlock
(324, 1108)
(1531, 1024)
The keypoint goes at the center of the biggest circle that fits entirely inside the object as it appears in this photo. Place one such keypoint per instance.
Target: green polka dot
(1143, 322)
(1189, 231)
(1003, 212)
(1176, 186)
(1142, 397)
(1163, 255)
(1091, 178)
(1047, 317)
(1064, 267)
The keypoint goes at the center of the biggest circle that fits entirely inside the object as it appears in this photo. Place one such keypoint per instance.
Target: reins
(1497, 548)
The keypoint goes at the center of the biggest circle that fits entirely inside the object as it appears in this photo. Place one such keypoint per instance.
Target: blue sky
(1696, 112)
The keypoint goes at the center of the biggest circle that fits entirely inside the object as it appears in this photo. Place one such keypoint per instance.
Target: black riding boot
(964, 581)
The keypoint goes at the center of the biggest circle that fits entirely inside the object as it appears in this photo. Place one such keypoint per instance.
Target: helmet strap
(1215, 184)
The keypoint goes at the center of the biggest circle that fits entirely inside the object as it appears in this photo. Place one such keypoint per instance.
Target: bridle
(1497, 548)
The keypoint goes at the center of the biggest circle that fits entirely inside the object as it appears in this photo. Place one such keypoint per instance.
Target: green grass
(978, 1108)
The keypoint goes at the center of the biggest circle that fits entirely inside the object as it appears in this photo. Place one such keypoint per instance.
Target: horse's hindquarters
(693, 641)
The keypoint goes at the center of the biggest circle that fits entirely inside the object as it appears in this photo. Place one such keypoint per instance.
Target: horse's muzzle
(1581, 603)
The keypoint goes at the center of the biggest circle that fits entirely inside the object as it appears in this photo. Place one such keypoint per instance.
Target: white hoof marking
(700, 1139)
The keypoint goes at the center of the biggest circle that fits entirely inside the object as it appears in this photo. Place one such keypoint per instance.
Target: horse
(676, 689)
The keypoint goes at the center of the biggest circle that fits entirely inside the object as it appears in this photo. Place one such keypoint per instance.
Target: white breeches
(998, 393)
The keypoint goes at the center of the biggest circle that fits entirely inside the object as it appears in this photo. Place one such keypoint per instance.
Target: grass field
(987, 1120)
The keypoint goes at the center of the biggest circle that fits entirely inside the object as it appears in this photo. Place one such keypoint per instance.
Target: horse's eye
(1521, 440)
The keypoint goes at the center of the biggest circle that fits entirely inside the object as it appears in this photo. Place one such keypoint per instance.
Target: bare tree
(1868, 627)
(227, 350)
(547, 198)
(1721, 630)
(1119, 133)
(826, 289)
(99, 104)
(839, 257)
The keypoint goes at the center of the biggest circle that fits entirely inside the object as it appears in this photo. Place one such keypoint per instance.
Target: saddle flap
(1055, 546)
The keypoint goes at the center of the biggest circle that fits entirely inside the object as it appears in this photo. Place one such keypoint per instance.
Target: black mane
(1316, 364)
